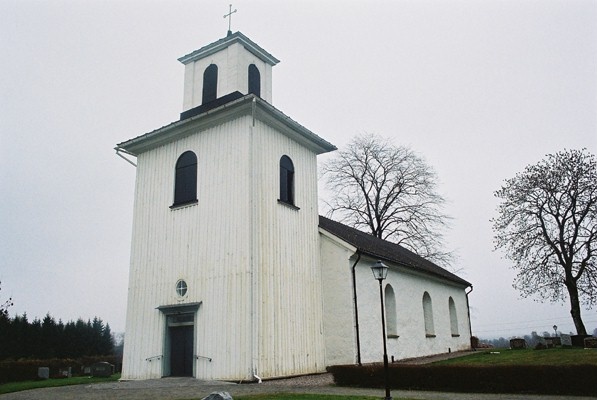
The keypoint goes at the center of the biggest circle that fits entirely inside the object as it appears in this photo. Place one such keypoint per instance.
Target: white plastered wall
(408, 286)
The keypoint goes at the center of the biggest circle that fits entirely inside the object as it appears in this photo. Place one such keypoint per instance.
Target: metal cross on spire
(229, 16)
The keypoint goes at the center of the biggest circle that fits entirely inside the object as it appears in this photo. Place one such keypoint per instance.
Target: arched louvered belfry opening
(185, 181)
(286, 180)
(210, 84)
(254, 80)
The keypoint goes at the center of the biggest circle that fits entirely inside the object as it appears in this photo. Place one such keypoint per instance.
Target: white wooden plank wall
(205, 244)
(291, 338)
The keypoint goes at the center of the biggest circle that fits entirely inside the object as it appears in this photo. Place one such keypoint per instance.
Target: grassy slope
(26, 385)
(556, 356)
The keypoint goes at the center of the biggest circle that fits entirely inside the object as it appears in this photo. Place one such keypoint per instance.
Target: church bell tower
(225, 281)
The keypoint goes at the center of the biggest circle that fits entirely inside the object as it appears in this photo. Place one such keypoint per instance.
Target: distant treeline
(47, 338)
(532, 340)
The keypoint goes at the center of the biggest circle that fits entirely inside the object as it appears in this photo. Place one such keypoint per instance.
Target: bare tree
(389, 191)
(547, 225)
(5, 305)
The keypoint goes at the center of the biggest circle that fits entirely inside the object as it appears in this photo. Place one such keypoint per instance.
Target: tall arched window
(453, 317)
(185, 181)
(210, 84)
(286, 180)
(428, 315)
(391, 317)
(254, 80)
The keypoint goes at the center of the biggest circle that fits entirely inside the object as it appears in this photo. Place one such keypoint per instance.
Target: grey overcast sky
(480, 89)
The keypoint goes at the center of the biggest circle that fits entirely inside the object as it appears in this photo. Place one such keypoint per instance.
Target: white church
(233, 273)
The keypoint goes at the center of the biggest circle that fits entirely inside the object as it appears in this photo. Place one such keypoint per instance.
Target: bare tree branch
(390, 192)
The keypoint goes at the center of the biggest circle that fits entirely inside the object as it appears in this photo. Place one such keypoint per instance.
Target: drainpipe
(356, 309)
(254, 292)
(468, 311)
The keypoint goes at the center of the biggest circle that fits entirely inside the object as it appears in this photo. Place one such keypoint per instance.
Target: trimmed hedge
(26, 370)
(564, 380)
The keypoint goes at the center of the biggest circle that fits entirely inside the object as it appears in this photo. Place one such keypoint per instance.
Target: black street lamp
(380, 271)
(555, 329)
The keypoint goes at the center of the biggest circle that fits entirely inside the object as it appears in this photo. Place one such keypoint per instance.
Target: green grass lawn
(26, 385)
(555, 356)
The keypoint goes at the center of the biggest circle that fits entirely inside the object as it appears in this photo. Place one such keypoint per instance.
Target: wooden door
(181, 350)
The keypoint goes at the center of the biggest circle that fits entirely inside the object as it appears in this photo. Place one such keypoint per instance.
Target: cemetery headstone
(566, 340)
(556, 341)
(591, 343)
(517, 343)
(102, 369)
(43, 372)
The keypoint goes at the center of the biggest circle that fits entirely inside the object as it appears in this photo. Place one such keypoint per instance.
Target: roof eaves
(159, 136)
(131, 144)
(220, 44)
(305, 132)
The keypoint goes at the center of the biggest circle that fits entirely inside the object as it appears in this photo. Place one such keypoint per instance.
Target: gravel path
(188, 388)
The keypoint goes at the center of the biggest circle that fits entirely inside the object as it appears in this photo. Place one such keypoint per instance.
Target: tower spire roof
(218, 45)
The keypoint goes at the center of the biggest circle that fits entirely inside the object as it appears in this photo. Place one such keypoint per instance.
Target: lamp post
(555, 329)
(380, 271)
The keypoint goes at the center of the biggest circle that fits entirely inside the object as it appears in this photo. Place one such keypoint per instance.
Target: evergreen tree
(47, 339)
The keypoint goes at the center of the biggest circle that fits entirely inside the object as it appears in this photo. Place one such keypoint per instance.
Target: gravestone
(218, 396)
(43, 372)
(566, 340)
(591, 343)
(102, 369)
(65, 372)
(517, 343)
(556, 341)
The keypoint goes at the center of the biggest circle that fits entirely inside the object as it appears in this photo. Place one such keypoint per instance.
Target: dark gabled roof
(203, 108)
(378, 248)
